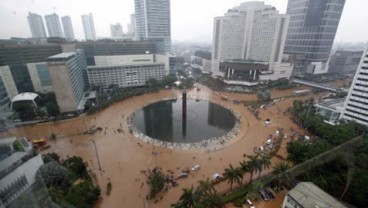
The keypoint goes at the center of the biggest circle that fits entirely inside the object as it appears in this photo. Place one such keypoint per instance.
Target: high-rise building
(68, 27)
(66, 72)
(153, 20)
(131, 25)
(36, 25)
(53, 25)
(312, 30)
(116, 30)
(252, 31)
(356, 105)
(89, 27)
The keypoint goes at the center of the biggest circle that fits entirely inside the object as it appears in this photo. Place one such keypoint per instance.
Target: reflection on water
(164, 121)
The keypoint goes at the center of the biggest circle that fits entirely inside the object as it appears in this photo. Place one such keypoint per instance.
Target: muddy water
(120, 157)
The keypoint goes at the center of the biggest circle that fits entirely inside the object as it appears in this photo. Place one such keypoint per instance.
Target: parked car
(182, 175)
(269, 193)
(264, 195)
(250, 204)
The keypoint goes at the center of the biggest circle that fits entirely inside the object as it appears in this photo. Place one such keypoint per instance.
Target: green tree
(244, 167)
(254, 165)
(187, 198)
(265, 163)
(156, 183)
(54, 175)
(280, 170)
(52, 108)
(233, 175)
(77, 165)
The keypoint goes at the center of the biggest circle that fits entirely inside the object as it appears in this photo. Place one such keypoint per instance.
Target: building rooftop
(25, 96)
(311, 196)
(332, 103)
(61, 56)
(245, 61)
(123, 65)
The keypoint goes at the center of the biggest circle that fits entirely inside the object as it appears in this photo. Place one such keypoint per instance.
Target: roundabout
(124, 151)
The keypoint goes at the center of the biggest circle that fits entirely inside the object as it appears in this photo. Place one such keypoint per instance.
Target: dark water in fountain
(164, 121)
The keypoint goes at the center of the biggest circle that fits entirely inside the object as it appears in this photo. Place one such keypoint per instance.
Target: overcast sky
(191, 20)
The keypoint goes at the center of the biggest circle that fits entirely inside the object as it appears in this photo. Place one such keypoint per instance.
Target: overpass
(315, 85)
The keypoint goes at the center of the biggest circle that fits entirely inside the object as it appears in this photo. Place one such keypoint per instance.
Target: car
(217, 176)
(249, 203)
(269, 193)
(269, 141)
(182, 175)
(195, 168)
(264, 195)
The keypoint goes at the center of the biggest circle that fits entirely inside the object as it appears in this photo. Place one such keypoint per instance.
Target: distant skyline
(191, 20)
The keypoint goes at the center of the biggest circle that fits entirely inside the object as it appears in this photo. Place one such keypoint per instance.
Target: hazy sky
(191, 20)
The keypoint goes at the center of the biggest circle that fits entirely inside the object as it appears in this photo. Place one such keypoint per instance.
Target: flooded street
(120, 157)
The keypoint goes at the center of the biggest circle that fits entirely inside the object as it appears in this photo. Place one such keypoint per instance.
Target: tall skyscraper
(131, 25)
(356, 105)
(89, 27)
(116, 30)
(153, 20)
(253, 31)
(312, 30)
(36, 25)
(53, 25)
(68, 27)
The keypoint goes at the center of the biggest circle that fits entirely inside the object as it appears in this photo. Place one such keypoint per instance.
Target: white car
(250, 204)
(195, 168)
(217, 176)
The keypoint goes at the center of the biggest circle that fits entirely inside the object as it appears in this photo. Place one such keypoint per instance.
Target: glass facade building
(153, 20)
(36, 25)
(312, 28)
(53, 25)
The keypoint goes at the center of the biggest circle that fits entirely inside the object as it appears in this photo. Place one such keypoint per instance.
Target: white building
(53, 25)
(89, 27)
(116, 30)
(127, 75)
(330, 109)
(356, 105)
(36, 25)
(152, 19)
(17, 173)
(251, 31)
(67, 75)
(308, 195)
(68, 27)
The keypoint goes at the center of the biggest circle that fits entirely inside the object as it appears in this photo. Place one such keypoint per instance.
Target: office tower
(251, 31)
(131, 25)
(345, 62)
(116, 30)
(153, 20)
(66, 72)
(53, 25)
(36, 25)
(68, 27)
(312, 29)
(356, 105)
(89, 27)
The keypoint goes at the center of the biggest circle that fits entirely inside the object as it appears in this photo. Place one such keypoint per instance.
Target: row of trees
(254, 164)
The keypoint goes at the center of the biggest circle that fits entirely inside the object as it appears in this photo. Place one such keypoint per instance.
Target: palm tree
(233, 175)
(187, 198)
(244, 167)
(205, 187)
(265, 161)
(213, 200)
(280, 169)
(254, 165)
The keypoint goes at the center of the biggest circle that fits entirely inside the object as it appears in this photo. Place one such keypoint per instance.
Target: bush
(156, 183)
